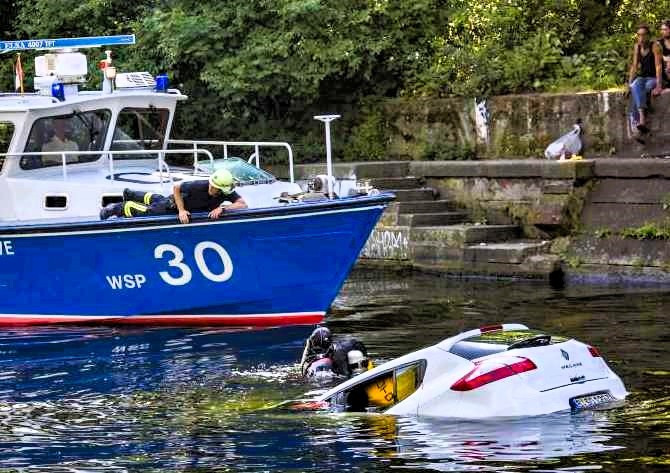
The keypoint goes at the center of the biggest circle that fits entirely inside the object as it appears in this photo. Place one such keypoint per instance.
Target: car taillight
(490, 328)
(594, 352)
(486, 372)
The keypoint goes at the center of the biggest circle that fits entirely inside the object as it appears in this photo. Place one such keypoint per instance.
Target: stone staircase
(434, 233)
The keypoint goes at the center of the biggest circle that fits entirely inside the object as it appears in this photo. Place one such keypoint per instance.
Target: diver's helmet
(357, 362)
(320, 339)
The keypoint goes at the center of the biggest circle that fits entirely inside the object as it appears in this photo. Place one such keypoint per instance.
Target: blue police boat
(66, 153)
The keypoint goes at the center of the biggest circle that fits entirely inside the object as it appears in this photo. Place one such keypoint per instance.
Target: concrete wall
(520, 125)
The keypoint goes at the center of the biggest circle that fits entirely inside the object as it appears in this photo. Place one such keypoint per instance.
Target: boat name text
(180, 273)
(126, 281)
(6, 248)
(32, 44)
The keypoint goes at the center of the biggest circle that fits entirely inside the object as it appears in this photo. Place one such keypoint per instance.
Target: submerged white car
(493, 371)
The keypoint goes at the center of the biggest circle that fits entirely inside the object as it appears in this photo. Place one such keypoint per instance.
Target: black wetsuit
(338, 353)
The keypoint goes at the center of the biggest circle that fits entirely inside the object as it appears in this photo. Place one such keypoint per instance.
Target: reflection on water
(108, 399)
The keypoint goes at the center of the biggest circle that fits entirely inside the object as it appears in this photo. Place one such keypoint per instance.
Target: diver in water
(324, 358)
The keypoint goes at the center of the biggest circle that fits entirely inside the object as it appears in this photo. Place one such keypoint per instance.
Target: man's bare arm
(179, 202)
(632, 72)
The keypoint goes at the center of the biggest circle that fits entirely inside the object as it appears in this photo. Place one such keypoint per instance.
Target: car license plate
(592, 400)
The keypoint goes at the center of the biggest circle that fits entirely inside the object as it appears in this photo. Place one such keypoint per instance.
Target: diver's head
(321, 368)
(357, 362)
(320, 338)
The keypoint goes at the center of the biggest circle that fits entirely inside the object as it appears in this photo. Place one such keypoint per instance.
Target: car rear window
(498, 341)
(512, 336)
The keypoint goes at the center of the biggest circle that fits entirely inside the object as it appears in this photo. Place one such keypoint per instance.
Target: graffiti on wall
(387, 244)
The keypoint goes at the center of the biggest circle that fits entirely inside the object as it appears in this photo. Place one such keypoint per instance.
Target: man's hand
(184, 216)
(216, 213)
(658, 90)
(626, 90)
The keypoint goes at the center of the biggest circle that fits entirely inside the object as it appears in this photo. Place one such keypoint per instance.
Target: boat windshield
(6, 133)
(140, 128)
(79, 131)
(243, 172)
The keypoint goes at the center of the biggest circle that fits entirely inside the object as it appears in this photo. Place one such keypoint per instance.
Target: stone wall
(543, 197)
(602, 219)
(514, 126)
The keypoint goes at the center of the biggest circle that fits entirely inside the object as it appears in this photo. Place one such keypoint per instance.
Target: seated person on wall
(664, 44)
(645, 76)
(59, 141)
(214, 196)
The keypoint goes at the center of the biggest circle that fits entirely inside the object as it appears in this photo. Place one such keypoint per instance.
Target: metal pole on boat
(329, 162)
(64, 158)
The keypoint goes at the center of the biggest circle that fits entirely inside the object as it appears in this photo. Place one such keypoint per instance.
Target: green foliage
(509, 46)
(648, 231)
(263, 68)
(445, 151)
(368, 139)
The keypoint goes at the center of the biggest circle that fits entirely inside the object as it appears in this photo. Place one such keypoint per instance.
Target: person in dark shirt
(191, 196)
(645, 76)
(664, 44)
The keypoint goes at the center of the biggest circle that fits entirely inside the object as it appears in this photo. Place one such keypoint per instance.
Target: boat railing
(255, 157)
(160, 156)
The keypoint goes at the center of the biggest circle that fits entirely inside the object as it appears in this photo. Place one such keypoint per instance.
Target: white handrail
(64, 154)
(255, 144)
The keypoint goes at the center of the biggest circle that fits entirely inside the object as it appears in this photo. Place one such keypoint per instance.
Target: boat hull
(257, 267)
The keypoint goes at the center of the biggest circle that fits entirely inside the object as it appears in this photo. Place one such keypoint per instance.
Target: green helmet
(222, 179)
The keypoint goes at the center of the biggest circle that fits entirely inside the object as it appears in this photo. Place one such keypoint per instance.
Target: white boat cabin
(65, 155)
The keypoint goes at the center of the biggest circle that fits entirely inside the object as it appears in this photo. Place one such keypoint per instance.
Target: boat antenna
(329, 162)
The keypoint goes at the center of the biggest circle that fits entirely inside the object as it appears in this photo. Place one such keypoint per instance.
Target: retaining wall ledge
(632, 168)
(521, 168)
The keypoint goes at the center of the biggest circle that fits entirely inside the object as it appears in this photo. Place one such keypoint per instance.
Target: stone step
(425, 206)
(434, 253)
(431, 219)
(511, 252)
(384, 183)
(408, 195)
(465, 234)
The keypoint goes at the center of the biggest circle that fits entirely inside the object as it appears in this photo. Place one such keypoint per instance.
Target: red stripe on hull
(264, 320)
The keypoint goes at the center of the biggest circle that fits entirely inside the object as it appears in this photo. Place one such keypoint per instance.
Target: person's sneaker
(127, 194)
(106, 212)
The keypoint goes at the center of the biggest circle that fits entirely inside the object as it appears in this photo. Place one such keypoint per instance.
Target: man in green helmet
(190, 196)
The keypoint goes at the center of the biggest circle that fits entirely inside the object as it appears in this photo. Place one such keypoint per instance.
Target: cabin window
(55, 202)
(140, 129)
(6, 133)
(79, 131)
(383, 391)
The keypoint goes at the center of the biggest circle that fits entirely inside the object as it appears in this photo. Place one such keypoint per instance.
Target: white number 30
(185, 273)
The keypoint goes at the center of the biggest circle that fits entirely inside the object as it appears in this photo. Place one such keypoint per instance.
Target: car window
(81, 131)
(6, 133)
(511, 337)
(382, 391)
(138, 129)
